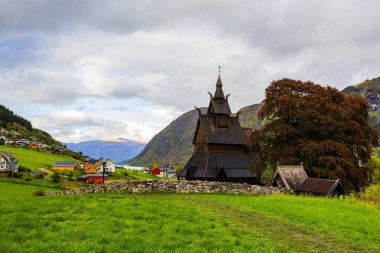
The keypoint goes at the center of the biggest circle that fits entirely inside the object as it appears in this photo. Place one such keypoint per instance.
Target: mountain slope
(118, 150)
(173, 145)
(370, 89)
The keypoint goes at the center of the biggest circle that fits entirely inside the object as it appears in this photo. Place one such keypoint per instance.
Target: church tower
(221, 150)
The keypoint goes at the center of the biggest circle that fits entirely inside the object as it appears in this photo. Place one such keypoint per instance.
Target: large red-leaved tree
(321, 127)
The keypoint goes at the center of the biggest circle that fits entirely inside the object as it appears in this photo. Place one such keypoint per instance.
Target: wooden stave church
(222, 148)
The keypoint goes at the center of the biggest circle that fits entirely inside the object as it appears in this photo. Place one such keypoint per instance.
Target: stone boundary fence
(180, 186)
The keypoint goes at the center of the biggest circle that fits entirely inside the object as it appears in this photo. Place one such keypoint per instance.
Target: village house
(164, 172)
(294, 179)
(108, 166)
(169, 173)
(222, 148)
(33, 145)
(65, 166)
(8, 163)
(157, 171)
(92, 178)
(93, 166)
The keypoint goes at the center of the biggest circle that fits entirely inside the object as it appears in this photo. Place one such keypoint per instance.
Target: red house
(92, 178)
(156, 171)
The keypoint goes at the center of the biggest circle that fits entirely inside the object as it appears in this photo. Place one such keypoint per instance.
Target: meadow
(33, 159)
(164, 222)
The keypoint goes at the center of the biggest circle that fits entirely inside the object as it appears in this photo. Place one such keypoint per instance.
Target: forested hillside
(370, 89)
(11, 121)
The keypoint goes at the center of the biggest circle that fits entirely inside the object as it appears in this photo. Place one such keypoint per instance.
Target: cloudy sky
(85, 70)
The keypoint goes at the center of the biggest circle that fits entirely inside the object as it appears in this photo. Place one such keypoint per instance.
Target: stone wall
(181, 186)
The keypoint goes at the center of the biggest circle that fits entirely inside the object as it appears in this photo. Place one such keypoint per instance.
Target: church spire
(219, 90)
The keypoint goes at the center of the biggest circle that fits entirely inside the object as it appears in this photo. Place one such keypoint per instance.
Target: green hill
(11, 121)
(173, 145)
(33, 159)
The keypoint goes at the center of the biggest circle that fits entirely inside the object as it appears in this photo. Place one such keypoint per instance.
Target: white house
(109, 166)
(8, 162)
(168, 172)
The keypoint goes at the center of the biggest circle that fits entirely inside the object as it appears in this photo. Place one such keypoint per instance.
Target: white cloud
(135, 66)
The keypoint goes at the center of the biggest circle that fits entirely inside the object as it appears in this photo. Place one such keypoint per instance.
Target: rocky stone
(180, 186)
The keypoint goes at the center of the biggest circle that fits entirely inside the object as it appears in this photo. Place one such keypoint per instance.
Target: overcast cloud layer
(85, 70)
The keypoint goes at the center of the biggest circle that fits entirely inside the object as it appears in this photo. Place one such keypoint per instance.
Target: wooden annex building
(294, 179)
(222, 148)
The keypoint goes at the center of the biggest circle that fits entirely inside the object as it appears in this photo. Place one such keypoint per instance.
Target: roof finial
(219, 69)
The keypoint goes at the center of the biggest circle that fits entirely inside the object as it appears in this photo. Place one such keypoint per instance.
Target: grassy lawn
(183, 223)
(33, 159)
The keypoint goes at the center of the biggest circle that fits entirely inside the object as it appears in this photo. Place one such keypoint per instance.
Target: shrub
(18, 174)
(39, 193)
(23, 169)
(56, 176)
(40, 176)
(267, 175)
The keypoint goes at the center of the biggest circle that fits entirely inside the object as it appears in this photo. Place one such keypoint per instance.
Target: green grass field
(183, 223)
(33, 159)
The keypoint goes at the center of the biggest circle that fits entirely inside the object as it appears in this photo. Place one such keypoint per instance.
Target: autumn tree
(319, 126)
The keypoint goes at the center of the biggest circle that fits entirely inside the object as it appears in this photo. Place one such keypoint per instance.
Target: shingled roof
(211, 165)
(320, 186)
(64, 164)
(233, 134)
(295, 179)
(291, 176)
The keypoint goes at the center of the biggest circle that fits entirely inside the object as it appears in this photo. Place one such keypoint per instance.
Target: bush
(267, 175)
(56, 176)
(40, 176)
(23, 169)
(18, 174)
(178, 168)
(71, 176)
(39, 193)
(28, 178)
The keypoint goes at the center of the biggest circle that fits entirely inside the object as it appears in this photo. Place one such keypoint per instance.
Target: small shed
(92, 178)
(295, 179)
(167, 172)
(289, 176)
(318, 186)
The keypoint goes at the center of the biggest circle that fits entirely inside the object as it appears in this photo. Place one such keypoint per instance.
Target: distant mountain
(173, 145)
(118, 150)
